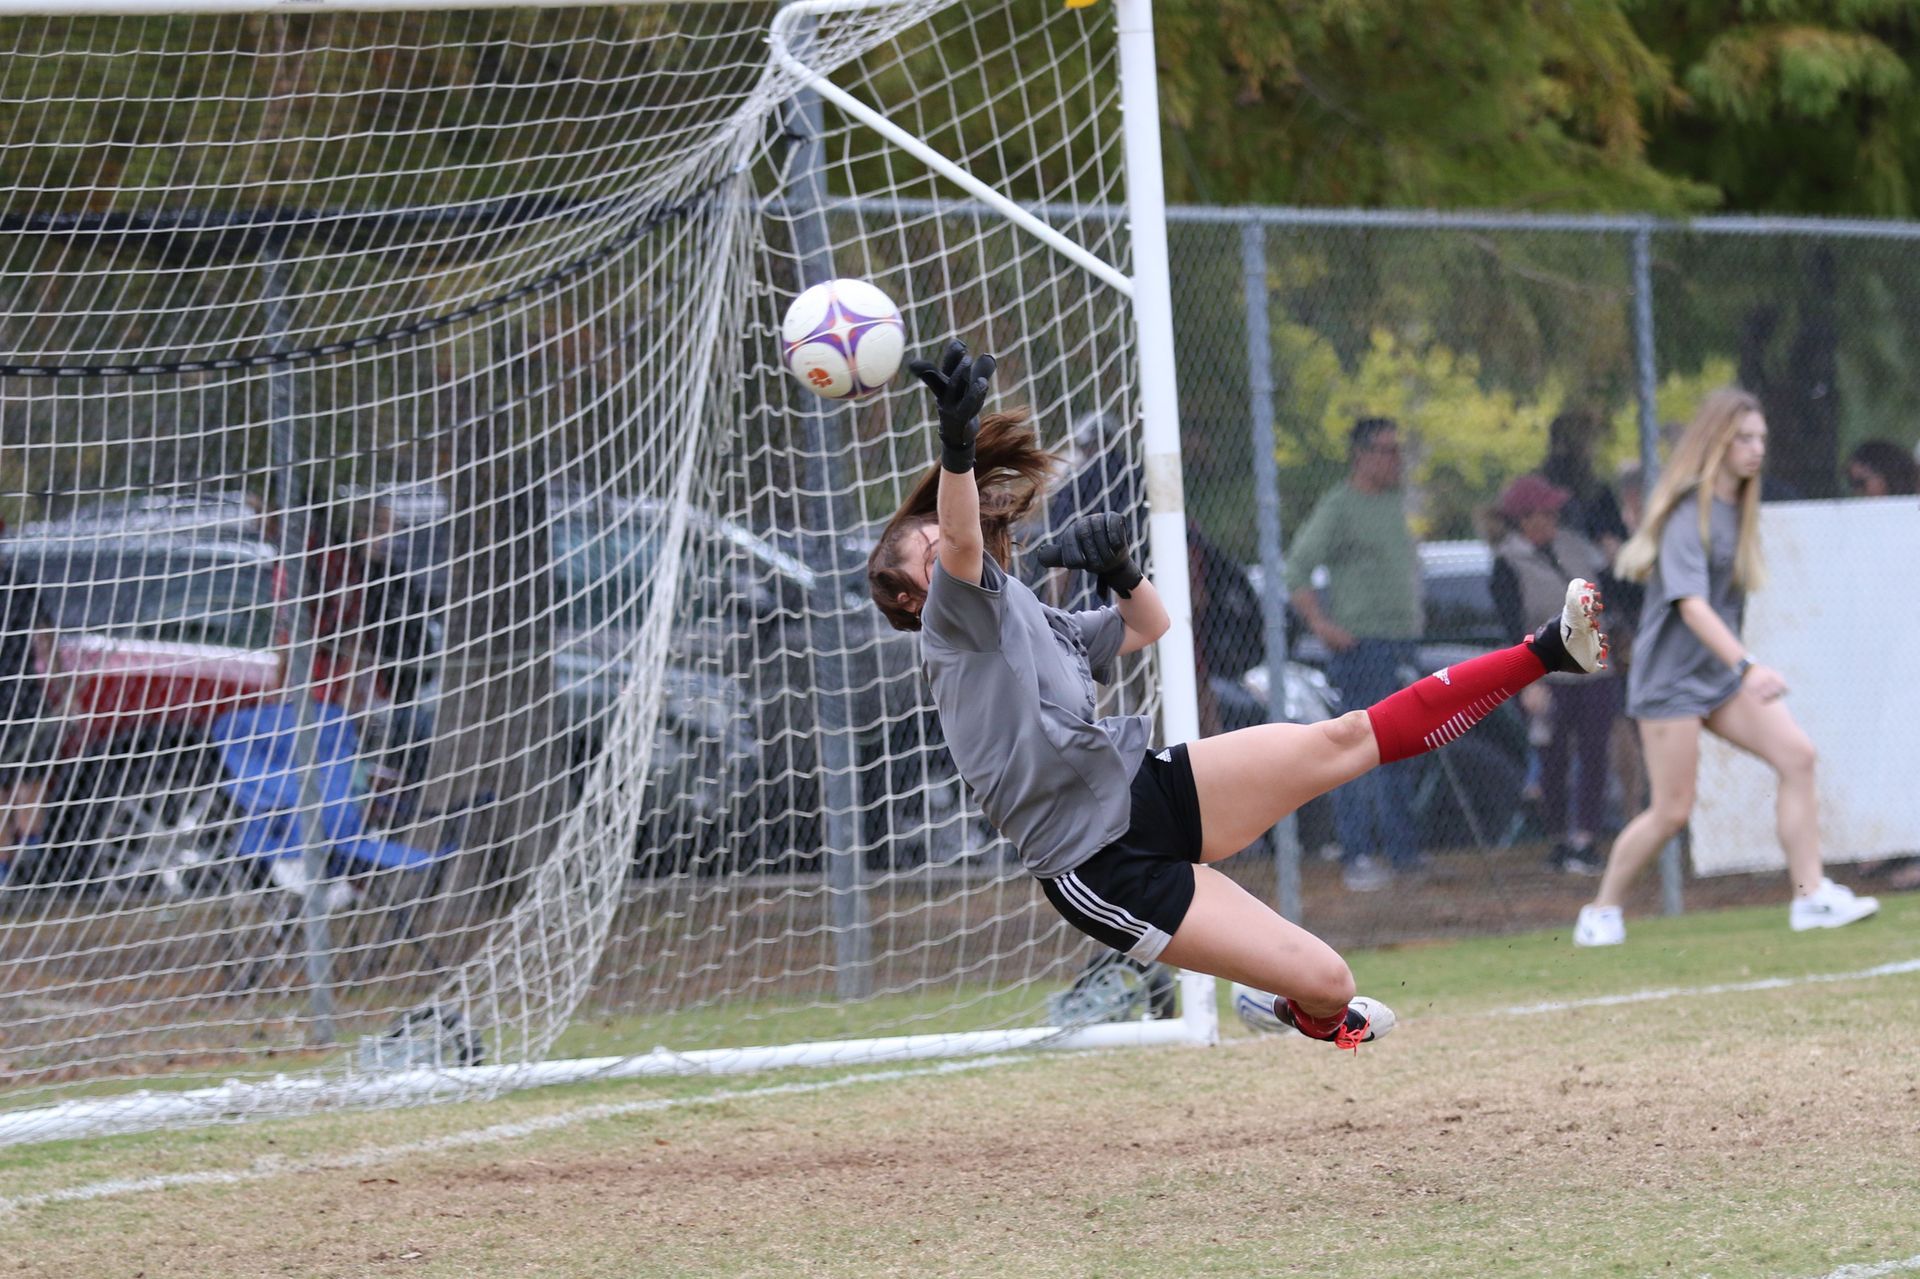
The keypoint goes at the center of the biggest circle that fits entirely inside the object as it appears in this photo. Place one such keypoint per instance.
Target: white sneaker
(1599, 926)
(1829, 906)
(1378, 1020)
(1365, 874)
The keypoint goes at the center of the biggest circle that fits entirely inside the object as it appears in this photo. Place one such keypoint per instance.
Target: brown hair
(1696, 460)
(1011, 470)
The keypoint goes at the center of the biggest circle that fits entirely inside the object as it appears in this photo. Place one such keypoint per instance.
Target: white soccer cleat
(1376, 1020)
(1599, 926)
(1580, 632)
(1366, 1020)
(1829, 906)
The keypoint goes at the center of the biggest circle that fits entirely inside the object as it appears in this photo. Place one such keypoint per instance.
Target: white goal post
(448, 667)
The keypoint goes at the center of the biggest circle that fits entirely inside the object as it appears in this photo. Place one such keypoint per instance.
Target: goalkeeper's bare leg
(1248, 780)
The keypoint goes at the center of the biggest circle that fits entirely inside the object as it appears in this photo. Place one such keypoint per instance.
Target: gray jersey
(1013, 681)
(1674, 675)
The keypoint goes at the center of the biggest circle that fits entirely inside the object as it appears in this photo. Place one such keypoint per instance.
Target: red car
(165, 616)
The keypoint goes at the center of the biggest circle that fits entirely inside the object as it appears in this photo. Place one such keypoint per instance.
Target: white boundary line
(276, 1166)
(279, 1166)
(1874, 1269)
(1724, 988)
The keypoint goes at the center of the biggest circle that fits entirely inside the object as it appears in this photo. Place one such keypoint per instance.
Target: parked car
(166, 615)
(755, 633)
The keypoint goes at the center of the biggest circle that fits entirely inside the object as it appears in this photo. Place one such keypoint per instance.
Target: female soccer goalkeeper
(1119, 833)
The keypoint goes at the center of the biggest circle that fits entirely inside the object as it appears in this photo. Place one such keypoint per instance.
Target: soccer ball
(1255, 1008)
(843, 339)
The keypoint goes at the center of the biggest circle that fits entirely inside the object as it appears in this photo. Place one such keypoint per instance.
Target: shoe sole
(1577, 624)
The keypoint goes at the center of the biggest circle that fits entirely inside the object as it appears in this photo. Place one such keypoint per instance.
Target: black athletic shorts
(1132, 894)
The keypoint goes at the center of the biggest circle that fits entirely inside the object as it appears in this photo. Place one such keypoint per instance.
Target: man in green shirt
(1369, 621)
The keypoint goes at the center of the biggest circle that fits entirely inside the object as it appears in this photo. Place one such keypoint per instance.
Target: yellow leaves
(1451, 421)
(1750, 75)
(1674, 401)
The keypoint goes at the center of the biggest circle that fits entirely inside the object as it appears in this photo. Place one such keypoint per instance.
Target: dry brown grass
(1762, 1133)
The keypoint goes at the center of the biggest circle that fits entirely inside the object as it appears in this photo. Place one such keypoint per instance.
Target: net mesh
(436, 629)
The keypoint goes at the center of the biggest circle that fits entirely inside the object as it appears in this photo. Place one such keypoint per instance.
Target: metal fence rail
(1474, 331)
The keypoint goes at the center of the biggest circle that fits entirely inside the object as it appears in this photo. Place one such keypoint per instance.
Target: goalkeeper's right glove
(959, 387)
(1096, 544)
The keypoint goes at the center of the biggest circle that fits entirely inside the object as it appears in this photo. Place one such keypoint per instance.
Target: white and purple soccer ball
(843, 339)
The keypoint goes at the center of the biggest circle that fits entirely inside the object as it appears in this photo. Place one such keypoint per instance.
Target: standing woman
(1698, 550)
(1117, 832)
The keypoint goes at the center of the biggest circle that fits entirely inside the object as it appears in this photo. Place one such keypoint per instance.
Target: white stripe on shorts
(1151, 941)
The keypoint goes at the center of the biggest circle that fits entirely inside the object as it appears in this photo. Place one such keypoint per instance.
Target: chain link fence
(1499, 346)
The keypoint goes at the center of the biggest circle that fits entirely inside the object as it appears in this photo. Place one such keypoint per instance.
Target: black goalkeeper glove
(1098, 544)
(959, 387)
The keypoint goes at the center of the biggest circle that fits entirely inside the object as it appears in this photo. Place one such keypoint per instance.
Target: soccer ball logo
(843, 339)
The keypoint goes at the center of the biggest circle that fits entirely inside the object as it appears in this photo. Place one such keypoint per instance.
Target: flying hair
(1012, 472)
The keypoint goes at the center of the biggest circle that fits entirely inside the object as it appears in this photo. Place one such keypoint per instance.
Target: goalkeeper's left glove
(1097, 544)
(959, 387)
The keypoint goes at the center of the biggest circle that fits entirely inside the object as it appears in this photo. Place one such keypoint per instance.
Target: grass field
(1719, 1097)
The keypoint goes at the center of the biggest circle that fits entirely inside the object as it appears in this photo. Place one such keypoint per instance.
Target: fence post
(828, 516)
(1646, 382)
(295, 524)
(1284, 839)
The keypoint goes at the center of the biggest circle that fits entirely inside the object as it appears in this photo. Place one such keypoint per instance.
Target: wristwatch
(1741, 667)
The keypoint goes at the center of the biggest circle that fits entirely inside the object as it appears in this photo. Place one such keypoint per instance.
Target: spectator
(1592, 510)
(1530, 571)
(1370, 622)
(376, 622)
(1699, 552)
(29, 739)
(1229, 630)
(1881, 468)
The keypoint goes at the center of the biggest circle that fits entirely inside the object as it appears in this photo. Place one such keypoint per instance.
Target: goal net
(437, 650)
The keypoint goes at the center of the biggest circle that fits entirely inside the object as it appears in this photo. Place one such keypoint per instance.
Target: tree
(1808, 107)
(1456, 103)
(1790, 106)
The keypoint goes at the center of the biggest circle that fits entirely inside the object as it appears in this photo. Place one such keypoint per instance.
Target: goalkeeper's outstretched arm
(959, 387)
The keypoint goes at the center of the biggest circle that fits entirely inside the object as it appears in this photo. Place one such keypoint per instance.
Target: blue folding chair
(260, 748)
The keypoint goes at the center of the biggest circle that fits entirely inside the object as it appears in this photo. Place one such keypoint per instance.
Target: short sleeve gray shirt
(1674, 675)
(1013, 681)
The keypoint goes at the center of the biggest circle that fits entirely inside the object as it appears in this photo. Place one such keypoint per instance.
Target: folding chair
(259, 747)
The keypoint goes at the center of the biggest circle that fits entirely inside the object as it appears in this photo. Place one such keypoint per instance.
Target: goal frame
(1148, 287)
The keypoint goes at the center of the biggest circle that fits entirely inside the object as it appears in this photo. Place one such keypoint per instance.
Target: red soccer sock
(1315, 1027)
(1438, 708)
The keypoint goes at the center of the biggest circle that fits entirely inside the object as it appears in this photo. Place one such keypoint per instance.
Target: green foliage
(1465, 103)
(1467, 439)
(1674, 401)
(1802, 106)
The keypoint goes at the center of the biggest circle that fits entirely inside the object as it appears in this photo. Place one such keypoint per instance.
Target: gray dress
(1674, 675)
